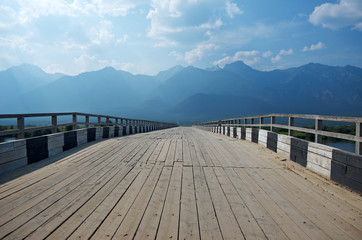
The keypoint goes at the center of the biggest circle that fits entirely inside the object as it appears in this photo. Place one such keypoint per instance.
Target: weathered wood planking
(181, 183)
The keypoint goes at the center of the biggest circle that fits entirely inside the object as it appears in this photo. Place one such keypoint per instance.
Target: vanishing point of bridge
(177, 183)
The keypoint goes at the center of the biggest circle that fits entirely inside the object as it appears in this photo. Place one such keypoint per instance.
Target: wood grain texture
(180, 183)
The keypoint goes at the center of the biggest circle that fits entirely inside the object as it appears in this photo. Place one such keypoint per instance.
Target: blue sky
(73, 36)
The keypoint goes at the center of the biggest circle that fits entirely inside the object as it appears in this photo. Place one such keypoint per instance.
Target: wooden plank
(332, 224)
(215, 158)
(151, 219)
(186, 153)
(206, 154)
(109, 193)
(335, 192)
(229, 227)
(263, 218)
(23, 181)
(156, 152)
(162, 156)
(199, 155)
(59, 188)
(58, 204)
(110, 225)
(226, 160)
(209, 226)
(286, 224)
(58, 168)
(193, 155)
(178, 153)
(246, 221)
(267, 182)
(146, 156)
(170, 215)
(130, 223)
(189, 225)
(170, 158)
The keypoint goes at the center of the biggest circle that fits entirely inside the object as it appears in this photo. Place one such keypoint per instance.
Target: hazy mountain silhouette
(187, 94)
(21, 79)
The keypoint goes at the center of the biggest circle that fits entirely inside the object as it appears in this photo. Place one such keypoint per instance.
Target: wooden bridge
(176, 183)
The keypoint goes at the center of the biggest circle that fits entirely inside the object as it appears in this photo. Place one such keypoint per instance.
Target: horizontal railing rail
(259, 121)
(117, 121)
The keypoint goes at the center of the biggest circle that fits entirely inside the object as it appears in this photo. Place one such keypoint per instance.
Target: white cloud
(17, 42)
(122, 39)
(216, 24)
(177, 55)
(102, 33)
(199, 52)
(72, 45)
(276, 58)
(338, 15)
(30, 9)
(248, 57)
(87, 62)
(313, 47)
(113, 8)
(286, 52)
(232, 9)
(7, 17)
(267, 54)
(178, 22)
(282, 52)
(54, 68)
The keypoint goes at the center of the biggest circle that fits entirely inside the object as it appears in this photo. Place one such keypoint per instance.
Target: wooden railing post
(54, 123)
(358, 144)
(318, 126)
(87, 121)
(272, 122)
(74, 121)
(21, 127)
(261, 122)
(290, 124)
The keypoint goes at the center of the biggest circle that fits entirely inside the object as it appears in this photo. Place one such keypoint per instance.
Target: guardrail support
(261, 122)
(54, 124)
(87, 121)
(272, 122)
(318, 126)
(74, 121)
(20, 127)
(358, 144)
(290, 124)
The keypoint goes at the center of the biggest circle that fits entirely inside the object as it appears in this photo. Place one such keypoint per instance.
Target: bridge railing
(102, 120)
(271, 121)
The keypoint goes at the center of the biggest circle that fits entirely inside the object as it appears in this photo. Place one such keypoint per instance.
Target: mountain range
(186, 94)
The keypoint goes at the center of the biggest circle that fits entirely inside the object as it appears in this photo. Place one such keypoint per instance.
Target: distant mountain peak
(25, 67)
(240, 68)
(238, 64)
(214, 68)
(164, 75)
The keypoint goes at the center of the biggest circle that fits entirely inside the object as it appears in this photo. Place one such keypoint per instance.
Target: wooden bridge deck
(180, 183)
